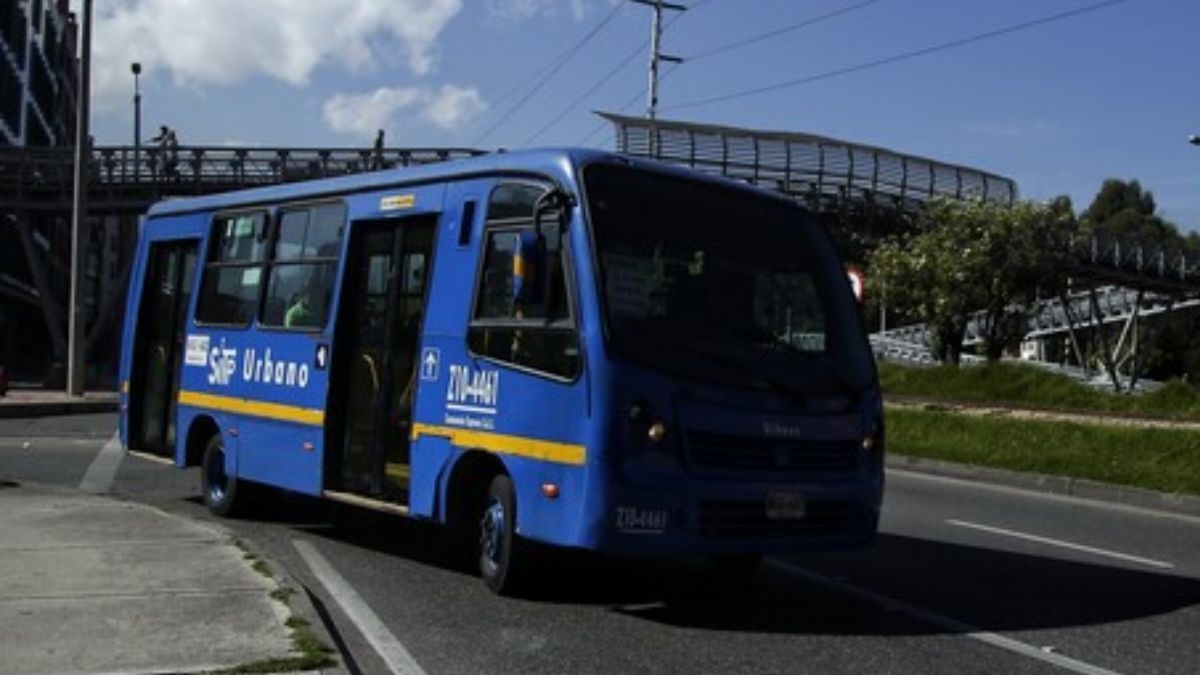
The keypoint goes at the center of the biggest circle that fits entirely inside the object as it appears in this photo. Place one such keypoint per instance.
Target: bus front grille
(747, 453)
(749, 519)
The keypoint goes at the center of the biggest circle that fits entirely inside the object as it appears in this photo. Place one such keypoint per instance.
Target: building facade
(38, 95)
(37, 73)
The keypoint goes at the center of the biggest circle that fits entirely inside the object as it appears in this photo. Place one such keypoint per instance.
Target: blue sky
(1059, 107)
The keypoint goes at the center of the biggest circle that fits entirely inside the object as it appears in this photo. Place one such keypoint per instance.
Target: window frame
(209, 264)
(568, 325)
(270, 263)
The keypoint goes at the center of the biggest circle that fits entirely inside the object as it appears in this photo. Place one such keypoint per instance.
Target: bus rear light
(550, 490)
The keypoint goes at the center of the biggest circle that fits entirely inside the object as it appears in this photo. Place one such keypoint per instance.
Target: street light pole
(137, 121)
(75, 315)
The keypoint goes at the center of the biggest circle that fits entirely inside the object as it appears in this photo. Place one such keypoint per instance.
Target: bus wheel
(500, 554)
(219, 489)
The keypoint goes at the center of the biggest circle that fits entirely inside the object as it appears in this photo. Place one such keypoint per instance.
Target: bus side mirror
(529, 257)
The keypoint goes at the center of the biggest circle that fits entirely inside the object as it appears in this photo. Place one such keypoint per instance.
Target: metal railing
(43, 176)
(816, 169)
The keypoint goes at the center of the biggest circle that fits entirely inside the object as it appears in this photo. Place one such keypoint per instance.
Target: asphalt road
(964, 578)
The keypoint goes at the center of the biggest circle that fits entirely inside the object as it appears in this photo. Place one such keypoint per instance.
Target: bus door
(158, 344)
(375, 371)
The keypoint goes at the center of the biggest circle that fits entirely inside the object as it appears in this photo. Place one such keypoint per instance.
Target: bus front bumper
(698, 516)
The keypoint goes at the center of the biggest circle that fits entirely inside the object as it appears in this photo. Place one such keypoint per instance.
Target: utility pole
(136, 69)
(656, 55)
(83, 151)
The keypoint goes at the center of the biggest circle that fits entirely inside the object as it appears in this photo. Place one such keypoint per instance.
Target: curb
(11, 410)
(1056, 485)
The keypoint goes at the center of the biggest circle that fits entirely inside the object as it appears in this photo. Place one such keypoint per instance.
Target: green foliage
(1028, 387)
(1125, 211)
(1155, 459)
(973, 255)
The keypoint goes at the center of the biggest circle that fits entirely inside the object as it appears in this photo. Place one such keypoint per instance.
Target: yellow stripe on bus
(521, 446)
(245, 406)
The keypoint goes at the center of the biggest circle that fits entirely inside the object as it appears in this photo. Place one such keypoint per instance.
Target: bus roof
(546, 161)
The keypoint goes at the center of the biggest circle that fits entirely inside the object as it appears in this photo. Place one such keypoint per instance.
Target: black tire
(735, 565)
(501, 554)
(219, 489)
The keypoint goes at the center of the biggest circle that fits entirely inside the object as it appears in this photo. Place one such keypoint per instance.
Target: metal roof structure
(824, 172)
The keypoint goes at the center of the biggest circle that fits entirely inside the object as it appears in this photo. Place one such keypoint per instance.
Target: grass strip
(1029, 387)
(1166, 460)
(310, 652)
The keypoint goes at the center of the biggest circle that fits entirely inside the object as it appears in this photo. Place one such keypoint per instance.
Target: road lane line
(1061, 544)
(948, 623)
(101, 473)
(390, 649)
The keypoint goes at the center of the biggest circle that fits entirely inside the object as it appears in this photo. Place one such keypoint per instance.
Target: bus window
(535, 331)
(303, 267)
(233, 272)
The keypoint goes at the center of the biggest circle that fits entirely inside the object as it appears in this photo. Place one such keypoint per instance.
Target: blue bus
(569, 347)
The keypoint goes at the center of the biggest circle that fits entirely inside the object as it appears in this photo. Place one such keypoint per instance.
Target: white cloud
(202, 42)
(449, 108)
(452, 107)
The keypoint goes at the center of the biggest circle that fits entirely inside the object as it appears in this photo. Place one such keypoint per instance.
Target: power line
(604, 80)
(897, 57)
(628, 104)
(562, 60)
(780, 31)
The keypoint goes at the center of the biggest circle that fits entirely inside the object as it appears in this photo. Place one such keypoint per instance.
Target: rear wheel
(501, 556)
(218, 487)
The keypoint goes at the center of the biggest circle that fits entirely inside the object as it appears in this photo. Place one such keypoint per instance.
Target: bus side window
(537, 333)
(233, 271)
(303, 266)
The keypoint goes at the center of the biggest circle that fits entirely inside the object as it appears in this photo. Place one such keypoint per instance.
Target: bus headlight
(657, 432)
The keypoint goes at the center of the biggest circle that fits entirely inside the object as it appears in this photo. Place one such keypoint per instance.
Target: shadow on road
(987, 588)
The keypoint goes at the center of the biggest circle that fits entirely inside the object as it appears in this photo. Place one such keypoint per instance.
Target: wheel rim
(491, 536)
(217, 480)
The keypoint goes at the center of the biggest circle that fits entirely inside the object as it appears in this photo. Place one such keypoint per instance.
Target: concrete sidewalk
(41, 402)
(92, 585)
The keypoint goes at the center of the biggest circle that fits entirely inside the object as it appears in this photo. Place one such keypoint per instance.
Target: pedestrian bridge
(126, 180)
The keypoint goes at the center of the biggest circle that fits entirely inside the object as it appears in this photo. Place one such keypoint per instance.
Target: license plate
(785, 506)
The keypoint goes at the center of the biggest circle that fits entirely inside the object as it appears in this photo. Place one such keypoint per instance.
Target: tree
(977, 259)
(1124, 211)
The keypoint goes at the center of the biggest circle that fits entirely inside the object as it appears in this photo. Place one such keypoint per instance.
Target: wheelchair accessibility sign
(431, 359)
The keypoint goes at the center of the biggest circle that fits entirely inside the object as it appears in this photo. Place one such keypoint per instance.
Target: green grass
(1028, 387)
(310, 652)
(1166, 460)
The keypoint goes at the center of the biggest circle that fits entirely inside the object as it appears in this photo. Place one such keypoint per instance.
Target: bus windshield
(718, 284)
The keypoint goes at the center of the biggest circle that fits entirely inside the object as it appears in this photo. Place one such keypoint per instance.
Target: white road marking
(1061, 544)
(103, 470)
(390, 649)
(945, 622)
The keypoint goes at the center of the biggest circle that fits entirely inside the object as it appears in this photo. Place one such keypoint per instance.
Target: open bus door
(158, 342)
(375, 363)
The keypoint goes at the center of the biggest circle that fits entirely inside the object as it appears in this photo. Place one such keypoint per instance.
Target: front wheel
(501, 556)
(219, 489)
